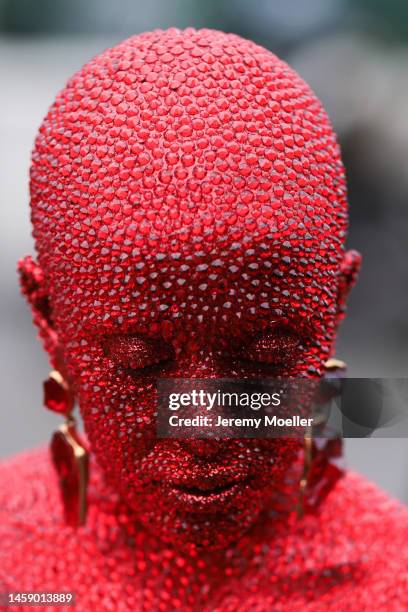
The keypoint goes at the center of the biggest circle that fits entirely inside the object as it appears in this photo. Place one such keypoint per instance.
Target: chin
(206, 519)
(182, 498)
(204, 530)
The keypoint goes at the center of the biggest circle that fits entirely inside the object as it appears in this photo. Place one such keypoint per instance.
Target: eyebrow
(128, 327)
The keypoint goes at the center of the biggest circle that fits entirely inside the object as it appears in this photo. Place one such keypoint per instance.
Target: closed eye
(279, 347)
(134, 352)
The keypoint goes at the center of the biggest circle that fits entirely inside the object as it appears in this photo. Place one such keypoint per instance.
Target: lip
(206, 493)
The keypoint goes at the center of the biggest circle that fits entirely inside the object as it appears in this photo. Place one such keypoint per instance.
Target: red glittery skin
(189, 211)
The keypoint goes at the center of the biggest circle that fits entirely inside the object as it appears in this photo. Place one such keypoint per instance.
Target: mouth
(205, 495)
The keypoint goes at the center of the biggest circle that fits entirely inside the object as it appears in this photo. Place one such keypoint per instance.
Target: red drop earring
(323, 467)
(323, 463)
(68, 452)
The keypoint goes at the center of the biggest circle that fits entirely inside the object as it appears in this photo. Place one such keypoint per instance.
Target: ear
(349, 270)
(33, 286)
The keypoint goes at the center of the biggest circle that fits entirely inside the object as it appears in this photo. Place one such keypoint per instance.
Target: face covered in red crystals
(189, 213)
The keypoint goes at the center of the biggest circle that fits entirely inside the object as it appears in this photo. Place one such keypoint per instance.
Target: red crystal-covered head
(189, 212)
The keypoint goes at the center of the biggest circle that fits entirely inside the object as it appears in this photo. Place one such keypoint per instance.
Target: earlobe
(349, 270)
(33, 287)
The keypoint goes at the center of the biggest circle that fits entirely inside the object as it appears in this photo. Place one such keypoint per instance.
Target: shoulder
(356, 549)
(375, 527)
(27, 481)
(363, 508)
(29, 492)
(38, 552)
(28, 501)
(352, 555)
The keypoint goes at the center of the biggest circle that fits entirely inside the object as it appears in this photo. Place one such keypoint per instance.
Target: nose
(204, 367)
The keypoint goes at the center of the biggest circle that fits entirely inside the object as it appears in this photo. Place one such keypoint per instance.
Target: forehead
(228, 280)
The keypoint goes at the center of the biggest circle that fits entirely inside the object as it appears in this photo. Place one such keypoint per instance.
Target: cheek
(118, 413)
(119, 424)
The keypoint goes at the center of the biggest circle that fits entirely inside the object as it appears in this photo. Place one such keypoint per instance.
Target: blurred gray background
(354, 53)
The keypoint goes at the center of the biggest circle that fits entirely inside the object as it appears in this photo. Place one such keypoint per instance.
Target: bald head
(189, 213)
(182, 145)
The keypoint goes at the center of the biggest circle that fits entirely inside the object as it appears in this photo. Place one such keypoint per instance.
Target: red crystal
(71, 463)
(57, 396)
(327, 467)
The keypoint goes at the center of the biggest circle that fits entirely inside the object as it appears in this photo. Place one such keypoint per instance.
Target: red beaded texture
(186, 192)
(189, 211)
